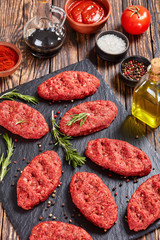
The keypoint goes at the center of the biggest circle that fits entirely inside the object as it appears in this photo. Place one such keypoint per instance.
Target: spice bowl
(12, 61)
(111, 45)
(87, 28)
(132, 69)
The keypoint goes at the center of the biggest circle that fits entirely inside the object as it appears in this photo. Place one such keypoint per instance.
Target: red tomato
(135, 19)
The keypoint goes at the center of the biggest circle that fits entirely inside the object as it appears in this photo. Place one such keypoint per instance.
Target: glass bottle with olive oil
(146, 96)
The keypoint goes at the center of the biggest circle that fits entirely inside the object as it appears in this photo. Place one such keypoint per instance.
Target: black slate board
(124, 127)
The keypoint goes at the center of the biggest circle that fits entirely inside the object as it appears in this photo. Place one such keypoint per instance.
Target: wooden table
(14, 15)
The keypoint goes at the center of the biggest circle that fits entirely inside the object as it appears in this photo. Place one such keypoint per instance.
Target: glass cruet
(146, 96)
(45, 33)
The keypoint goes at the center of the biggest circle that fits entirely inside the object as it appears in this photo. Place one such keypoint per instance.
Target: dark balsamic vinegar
(45, 42)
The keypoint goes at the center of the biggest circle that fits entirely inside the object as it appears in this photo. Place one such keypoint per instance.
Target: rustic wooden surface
(14, 15)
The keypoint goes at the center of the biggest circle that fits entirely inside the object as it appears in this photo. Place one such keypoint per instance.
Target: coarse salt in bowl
(112, 45)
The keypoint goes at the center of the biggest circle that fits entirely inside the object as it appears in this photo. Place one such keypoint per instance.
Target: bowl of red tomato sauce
(87, 16)
(10, 58)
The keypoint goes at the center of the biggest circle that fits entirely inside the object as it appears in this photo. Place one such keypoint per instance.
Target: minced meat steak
(68, 85)
(119, 156)
(38, 179)
(144, 206)
(58, 231)
(101, 113)
(93, 198)
(22, 120)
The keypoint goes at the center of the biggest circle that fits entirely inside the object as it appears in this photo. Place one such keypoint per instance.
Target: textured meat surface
(69, 85)
(118, 156)
(58, 231)
(38, 180)
(100, 115)
(144, 206)
(22, 120)
(94, 199)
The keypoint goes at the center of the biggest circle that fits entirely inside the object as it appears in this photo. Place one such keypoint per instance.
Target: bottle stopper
(155, 65)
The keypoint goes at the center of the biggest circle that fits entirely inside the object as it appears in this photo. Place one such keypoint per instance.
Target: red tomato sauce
(86, 11)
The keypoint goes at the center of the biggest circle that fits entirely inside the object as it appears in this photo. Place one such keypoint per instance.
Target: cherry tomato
(135, 19)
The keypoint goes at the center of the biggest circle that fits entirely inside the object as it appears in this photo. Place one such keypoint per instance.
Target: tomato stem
(135, 10)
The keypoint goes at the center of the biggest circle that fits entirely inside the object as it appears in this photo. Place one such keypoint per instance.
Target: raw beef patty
(144, 206)
(68, 85)
(100, 115)
(22, 120)
(58, 231)
(39, 179)
(118, 156)
(94, 199)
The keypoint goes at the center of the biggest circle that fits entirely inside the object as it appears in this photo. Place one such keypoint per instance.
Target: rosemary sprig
(15, 94)
(72, 156)
(4, 162)
(77, 117)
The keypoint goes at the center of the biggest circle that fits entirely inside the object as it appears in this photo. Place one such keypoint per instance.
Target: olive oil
(146, 97)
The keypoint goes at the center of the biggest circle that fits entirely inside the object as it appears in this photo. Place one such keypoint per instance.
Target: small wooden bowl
(13, 69)
(88, 28)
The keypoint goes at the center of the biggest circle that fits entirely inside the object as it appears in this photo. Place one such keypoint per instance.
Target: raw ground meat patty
(58, 231)
(38, 180)
(144, 206)
(68, 85)
(94, 199)
(22, 120)
(101, 114)
(118, 156)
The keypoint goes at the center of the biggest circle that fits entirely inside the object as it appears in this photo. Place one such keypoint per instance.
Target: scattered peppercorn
(62, 204)
(58, 112)
(114, 188)
(40, 218)
(136, 136)
(70, 221)
(116, 194)
(135, 181)
(55, 116)
(18, 170)
(54, 218)
(15, 161)
(134, 70)
(24, 159)
(120, 185)
(153, 168)
(15, 140)
(126, 196)
(51, 142)
(127, 180)
(13, 183)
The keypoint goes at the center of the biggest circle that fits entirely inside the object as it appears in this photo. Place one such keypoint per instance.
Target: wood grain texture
(13, 17)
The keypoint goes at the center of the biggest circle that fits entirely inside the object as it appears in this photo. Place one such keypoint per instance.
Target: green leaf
(77, 117)
(4, 162)
(14, 94)
(72, 156)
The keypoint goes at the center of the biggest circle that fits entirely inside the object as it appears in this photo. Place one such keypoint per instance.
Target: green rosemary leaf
(21, 121)
(4, 162)
(72, 156)
(14, 94)
(77, 117)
